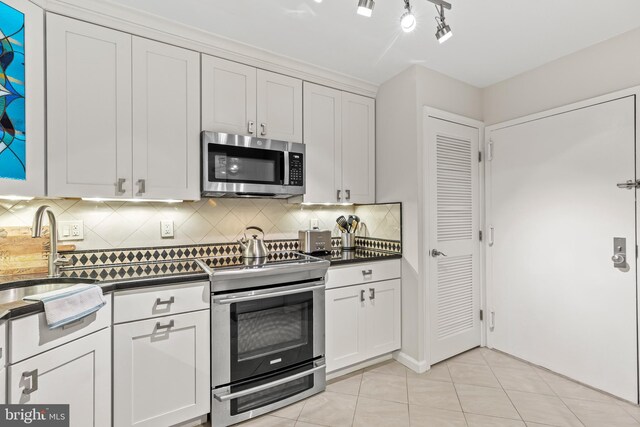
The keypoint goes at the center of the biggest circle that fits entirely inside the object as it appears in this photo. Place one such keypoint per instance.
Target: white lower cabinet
(3, 386)
(363, 321)
(77, 373)
(161, 370)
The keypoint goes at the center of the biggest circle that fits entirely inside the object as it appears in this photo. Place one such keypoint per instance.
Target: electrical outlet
(70, 230)
(166, 229)
(314, 223)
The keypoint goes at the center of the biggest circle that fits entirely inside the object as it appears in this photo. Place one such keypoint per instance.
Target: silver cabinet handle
(251, 127)
(226, 397)
(348, 194)
(362, 295)
(338, 194)
(168, 301)
(168, 326)
(263, 127)
(436, 253)
(120, 185)
(34, 381)
(367, 272)
(142, 186)
(372, 293)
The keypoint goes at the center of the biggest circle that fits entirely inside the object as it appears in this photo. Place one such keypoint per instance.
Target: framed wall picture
(22, 99)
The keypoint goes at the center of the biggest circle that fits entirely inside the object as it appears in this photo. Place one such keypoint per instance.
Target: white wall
(399, 175)
(597, 70)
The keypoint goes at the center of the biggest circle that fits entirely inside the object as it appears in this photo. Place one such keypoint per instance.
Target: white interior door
(558, 300)
(453, 237)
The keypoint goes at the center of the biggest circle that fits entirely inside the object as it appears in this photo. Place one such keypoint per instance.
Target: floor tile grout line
(551, 388)
(503, 389)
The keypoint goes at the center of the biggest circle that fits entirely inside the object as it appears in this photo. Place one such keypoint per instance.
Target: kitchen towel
(70, 304)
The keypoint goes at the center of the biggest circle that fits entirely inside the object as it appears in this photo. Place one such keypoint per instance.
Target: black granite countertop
(135, 275)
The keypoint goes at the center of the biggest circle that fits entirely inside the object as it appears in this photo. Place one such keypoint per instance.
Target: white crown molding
(123, 18)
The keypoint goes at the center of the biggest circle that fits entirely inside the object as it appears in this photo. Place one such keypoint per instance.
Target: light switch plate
(313, 223)
(166, 229)
(70, 230)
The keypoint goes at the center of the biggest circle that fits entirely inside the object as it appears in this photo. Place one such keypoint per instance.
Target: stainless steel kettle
(254, 247)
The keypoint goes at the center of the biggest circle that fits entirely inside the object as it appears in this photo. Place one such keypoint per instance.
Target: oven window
(245, 165)
(271, 333)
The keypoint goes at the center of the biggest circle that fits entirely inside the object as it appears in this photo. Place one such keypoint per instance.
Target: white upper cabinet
(122, 114)
(358, 149)
(243, 100)
(22, 131)
(89, 110)
(339, 134)
(323, 142)
(166, 127)
(228, 96)
(279, 107)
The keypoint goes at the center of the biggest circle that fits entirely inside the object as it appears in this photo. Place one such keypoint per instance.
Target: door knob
(618, 259)
(436, 253)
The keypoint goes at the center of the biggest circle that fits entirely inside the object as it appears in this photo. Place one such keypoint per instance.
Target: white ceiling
(493, 39)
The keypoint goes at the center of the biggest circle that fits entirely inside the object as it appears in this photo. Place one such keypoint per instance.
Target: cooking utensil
(254, 247)
(350, 223)
(342, 223)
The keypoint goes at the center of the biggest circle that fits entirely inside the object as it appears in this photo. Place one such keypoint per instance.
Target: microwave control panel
(296, 170)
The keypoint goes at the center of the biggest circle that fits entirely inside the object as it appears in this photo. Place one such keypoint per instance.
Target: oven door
(262, 331)
(249, 399)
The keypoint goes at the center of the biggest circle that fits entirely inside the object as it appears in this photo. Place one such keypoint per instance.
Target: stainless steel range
(267, 335)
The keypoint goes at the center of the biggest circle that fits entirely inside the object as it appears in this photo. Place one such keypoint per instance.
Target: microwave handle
(287, 172)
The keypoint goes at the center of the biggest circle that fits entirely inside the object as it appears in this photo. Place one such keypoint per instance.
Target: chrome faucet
(55, 260)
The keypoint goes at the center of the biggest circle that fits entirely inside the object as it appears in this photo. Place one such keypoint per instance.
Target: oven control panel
(296, 169)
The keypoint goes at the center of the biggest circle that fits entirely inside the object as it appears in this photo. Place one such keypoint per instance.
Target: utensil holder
(348, 241)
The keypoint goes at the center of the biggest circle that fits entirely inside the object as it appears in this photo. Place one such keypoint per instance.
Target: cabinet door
(161, 370)
(323, 139)
(383, 317)
(89, 110)
(358, 148)
(22, 128)
(166, 128)
(346, 327)
(279, 107)
(77, 373)
(228, 96)
(3, 386)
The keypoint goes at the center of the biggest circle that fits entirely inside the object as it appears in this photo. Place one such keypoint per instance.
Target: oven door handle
(232, 300)
(230, 396)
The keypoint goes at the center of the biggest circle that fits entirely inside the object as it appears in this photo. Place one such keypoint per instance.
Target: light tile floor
(479, 388)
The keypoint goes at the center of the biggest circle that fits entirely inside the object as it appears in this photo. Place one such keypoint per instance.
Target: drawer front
(30, 335)
(363, 273)
(158, 301)
(3, 344)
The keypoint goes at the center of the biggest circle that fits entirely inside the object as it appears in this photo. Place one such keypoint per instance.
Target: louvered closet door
(452, 202)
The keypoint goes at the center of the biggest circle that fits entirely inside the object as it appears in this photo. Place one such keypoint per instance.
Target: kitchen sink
(35, 287)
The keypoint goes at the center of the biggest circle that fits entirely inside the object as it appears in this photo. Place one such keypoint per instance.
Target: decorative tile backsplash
(116, 225)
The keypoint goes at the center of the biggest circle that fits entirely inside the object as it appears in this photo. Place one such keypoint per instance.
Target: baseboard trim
(411, 363)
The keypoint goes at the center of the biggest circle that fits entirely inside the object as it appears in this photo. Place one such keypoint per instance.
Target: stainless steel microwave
(244, 166)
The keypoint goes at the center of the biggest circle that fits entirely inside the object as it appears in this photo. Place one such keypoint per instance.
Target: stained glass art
(12, 91)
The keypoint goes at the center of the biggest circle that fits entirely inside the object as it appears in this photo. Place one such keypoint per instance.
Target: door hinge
(479, 156)
(490, 150)
(481, 315)
(480, 235)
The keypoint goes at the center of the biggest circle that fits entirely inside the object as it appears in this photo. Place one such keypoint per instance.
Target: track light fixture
(443, 32)
(365, 7)
(407, 20)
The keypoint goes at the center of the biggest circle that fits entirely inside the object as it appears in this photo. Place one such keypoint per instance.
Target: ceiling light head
(365, 7)
(443, 33)
(408, 19)
(318, 1)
